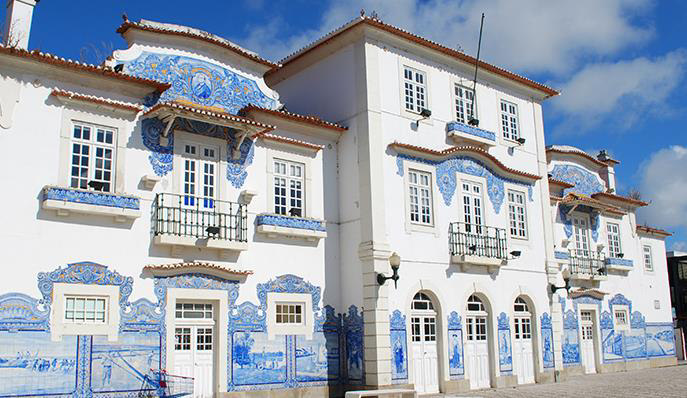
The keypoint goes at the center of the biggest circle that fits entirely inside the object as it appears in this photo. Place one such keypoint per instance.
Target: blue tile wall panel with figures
(456, 367)
(122, 365)
(399, 348)
(505, 349)
(547, 341)
(258, 360)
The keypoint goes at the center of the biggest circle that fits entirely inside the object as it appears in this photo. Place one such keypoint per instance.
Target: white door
(587, 346)
(523, 359)
(477, 352)
(194, 346)
(424, 345)
(472, 207)
(199, 186)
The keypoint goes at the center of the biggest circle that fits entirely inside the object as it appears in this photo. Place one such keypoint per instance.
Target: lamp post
(395, 262)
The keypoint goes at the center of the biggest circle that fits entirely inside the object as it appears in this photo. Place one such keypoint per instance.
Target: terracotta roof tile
(98, 100)
(209, 112)
(563, 184)
(314, 120)
(652, 231)
(196, 265)
(566, 149)
(105, 71)
(377, 23)
(607, 195)
(287, 140)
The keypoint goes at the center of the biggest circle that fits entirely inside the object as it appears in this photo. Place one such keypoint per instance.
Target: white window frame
(298, 316)
(512, 216)
(624, 310)
(304, 328)
(416, 89)
(483, 207)
(289, 167)
(200, 160)
(650, 267)
(59, 326)
(420, 192)
(277, 153)
(464, 102)
(93, 146)
(412, 226)
(74, 319)
(511, 118)
(613, 239)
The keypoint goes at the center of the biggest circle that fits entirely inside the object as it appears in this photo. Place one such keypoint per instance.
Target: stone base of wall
(545, 377)
(567, 372)
(623, 366)
(306, 392)
(455, 386)
(506, 381)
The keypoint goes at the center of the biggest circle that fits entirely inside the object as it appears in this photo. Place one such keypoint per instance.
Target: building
(677, 276)
(183, 211)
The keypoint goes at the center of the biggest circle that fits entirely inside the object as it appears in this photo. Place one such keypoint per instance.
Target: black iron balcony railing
(477, 240)
(587, 262)
(197, 217)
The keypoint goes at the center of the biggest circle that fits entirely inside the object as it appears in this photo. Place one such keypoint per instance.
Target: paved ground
(657, 382)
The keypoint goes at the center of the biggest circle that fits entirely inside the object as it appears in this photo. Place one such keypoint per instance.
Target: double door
(194, 346)
(425, 358)
(523, 358)
(477, 352)
(587, 343)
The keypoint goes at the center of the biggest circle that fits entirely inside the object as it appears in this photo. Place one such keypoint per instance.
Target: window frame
(613, 239)
(93, 145)
(420, 187)
(511, 137)
(650, 268)
(276, 151)
(305, 328)
(200, 160)
(455, 98)
(525, 222)
(414, 87)
(60, 327)
(299, 316)
(411, 227)
(76, 298)
(624, 310)
(289, 166)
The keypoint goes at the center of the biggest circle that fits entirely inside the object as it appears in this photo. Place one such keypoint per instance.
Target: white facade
(240, 243)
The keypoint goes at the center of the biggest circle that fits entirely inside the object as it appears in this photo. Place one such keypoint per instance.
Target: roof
(567, 149)
(625, 199)
(105, 71)
(184, 31)
(653, 231)
(290, 141)
(595, 293)
(309, 119)
(220, 117)
(378, 24)
(459, 149)
(563, 184)
(195, 266)
(97, 100)
(574, 199)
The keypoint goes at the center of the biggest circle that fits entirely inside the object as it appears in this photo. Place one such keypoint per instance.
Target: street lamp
(395, 262)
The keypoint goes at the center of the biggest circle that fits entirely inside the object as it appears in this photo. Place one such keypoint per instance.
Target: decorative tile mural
(547, 341)
(256, 360)
(456, 360)
(353, 333)
(124, 364)
(584, 182)
(660, 339)
(611, 342)
(505, 349)
(290, 222)
(571, 346)
(92, 198)
(399, 348)
(447, 180)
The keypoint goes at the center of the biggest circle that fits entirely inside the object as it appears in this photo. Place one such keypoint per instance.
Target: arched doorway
(523, 352)
(477, 343)
(423, 327)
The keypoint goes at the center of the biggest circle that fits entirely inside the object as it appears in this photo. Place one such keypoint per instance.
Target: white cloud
(679, 246)
(530, 36)
(663, 181)
(630, 89)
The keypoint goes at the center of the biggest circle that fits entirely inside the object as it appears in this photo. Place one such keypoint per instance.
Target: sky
(621, 64)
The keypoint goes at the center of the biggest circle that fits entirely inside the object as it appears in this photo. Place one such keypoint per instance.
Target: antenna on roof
(473, 121)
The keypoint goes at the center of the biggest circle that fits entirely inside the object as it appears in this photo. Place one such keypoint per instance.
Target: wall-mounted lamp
(212, 230)
(554, 288)
(395, 262)
(515, 253)
(521, 141)
(620, 255)
(425, 114)
(473, 122)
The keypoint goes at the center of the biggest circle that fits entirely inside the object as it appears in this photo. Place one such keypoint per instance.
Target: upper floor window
(472, 206)
(289, 187)
(415, 89)
(199, 177)
(614, 249)
(464, 99)
(420, 196)
(93, 154)
(80, 309)
(510, 125)
(648, 258)
(517, 214)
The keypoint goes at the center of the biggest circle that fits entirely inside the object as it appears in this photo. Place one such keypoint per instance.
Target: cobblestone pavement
(656, 382)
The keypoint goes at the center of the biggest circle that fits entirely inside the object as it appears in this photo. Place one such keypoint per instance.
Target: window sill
(274, 225)
(70, 200)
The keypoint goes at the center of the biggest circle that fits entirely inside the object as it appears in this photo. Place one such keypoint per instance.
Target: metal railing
(587, 262)
(477, 240)
(197, 217)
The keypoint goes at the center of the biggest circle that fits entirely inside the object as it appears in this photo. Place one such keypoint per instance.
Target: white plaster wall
(36, 240)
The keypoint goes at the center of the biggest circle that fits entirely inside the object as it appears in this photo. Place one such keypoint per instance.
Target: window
(182, 339)
(682, 271)
(475, 304)
(422, 302)
(85, 310)
(621, 317)
(420, 196)
(509, 120)
(648, 260)
(204, 339)
(472, 206)
(517, 214)
(415, 89)
(199, 175)
(613, 240)
(464, 99)
(93, 154)
(476, 328)
(520, 305)
(193, 311)
(289, 313)
(289, 188)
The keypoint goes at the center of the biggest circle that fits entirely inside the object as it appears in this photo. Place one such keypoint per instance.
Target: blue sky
(621, 64)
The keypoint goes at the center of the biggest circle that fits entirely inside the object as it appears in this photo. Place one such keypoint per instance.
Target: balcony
(619, 264)
(477, 245)
(182, 220)
(462, 133)
(66, 201)
(586, 265)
